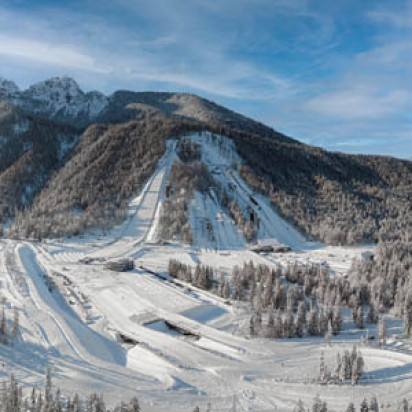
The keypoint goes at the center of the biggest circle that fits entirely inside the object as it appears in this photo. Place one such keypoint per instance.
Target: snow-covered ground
(104, 331)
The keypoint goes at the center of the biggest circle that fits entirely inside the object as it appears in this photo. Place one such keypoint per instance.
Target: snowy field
(104, 331)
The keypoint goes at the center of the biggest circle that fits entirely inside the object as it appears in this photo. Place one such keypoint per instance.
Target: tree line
(47, 400)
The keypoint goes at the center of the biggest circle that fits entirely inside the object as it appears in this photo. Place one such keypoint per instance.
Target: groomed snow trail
(71, 335)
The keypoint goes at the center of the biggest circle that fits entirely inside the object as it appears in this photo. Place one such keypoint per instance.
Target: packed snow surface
(137, 333)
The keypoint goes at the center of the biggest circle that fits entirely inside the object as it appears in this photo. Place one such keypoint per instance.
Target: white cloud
(352, 104)
(401, 18)
(374, 84)
(46, 53)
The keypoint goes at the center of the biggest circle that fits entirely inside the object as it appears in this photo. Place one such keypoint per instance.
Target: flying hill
(71, 160)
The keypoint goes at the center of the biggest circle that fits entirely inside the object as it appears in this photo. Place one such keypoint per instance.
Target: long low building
(270, 245)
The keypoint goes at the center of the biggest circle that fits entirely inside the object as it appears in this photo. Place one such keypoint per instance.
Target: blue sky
(335, 74)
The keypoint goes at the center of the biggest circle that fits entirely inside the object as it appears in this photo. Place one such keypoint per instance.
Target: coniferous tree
(350, 408)
(313, 323)
(329, 332)
(360, 365)
(353, 355)
(16, 326)
(337, 320)
(319, 405)
(300, 407)
(347, 365)
(322, 366)
(278, 327)
(372, 317)
(267, 299)
(373, 405)
(301, 319)
(251, 328)
(48, 397)
(3, 327)
(289, 325)
(323, 324)
(359, 318)
(364, 407)
(270, 326)
(134, 405)
(226, 290)
(404, 406)
(382, 331)
(407, 322)
(338, 367)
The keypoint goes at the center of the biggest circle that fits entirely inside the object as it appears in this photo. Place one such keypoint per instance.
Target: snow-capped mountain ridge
(61, 100)
(58, 98)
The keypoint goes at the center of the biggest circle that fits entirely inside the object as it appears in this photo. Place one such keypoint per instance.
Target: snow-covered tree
(372, 316)
(134, 405)
(4, 333)
(407, 324)
(329, 332)
(278, 326)
(323, 323)
(268, 293)
(338, 366)
(360, 318)
(322, 366)
(313, 323)
(16, 326)
(337, 320)
(364, 407)
(382, 331)
(346, 370)
(300, 407)
(48, 397)
(404, 406)
(373, 405)
(289, 325)
(319, 405)
(270, 325)
(350, 408)
(301, 319)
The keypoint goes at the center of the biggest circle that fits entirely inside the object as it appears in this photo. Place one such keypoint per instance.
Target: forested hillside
(336, 198)
(31, 149)
(109, 165)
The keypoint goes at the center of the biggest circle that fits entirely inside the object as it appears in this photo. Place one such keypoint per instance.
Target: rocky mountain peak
(58, 89)
(8, 87)
(59, 98)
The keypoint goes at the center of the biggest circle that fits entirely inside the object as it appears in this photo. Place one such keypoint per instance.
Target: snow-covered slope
(220, 156)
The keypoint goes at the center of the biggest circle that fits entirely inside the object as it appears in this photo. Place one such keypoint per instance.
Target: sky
(335, 74)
